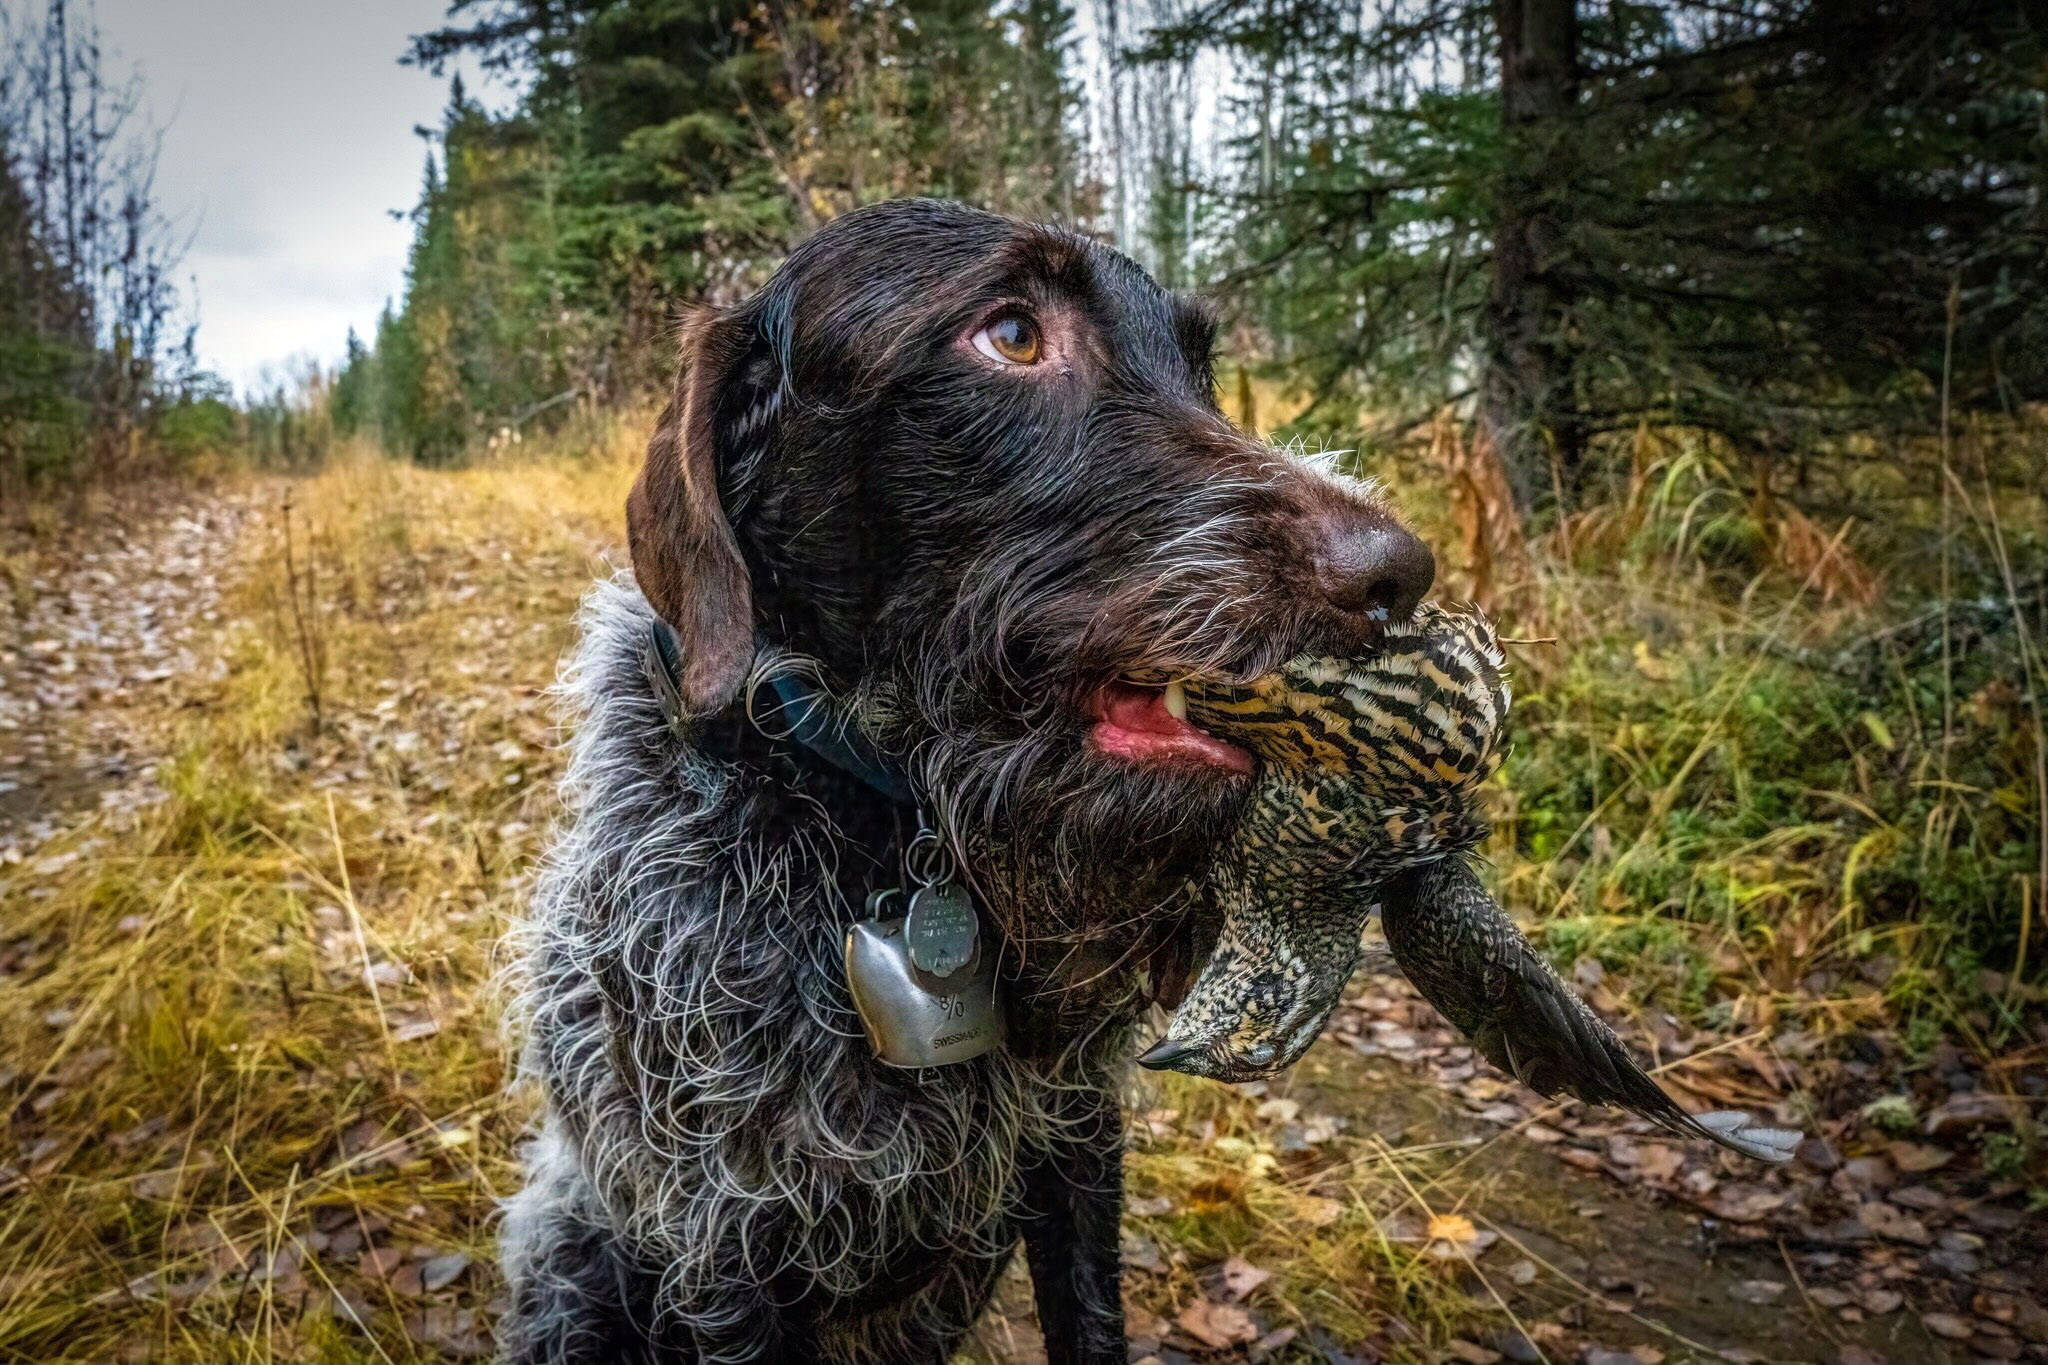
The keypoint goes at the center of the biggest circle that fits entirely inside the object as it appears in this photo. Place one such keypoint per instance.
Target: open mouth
(1149, 725)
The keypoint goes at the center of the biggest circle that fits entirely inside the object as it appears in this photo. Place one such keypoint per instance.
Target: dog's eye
(1011, 339)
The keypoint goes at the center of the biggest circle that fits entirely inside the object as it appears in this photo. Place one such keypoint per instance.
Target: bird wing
(1470, 961)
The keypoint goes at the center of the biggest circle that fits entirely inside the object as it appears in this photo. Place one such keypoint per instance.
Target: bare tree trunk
(1527, 413)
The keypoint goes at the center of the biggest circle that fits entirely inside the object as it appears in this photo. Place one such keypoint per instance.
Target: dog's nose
(1377, 570)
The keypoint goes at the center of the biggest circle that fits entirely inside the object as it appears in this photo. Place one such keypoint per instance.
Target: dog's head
(976, 469)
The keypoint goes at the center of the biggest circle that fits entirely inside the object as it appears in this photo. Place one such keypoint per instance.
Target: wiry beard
(1088, 871)
(1086, 862)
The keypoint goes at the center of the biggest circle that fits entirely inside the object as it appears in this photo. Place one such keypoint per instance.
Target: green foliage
(665, 154)
(1893, 1114)
(1709, 787)
(45, 422)
(89, 355)
(197, 427)
(1746, 218)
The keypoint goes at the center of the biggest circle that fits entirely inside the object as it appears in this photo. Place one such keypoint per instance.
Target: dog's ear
(683, 550)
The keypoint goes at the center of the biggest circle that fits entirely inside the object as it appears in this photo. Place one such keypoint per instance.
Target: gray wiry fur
(717, 1138)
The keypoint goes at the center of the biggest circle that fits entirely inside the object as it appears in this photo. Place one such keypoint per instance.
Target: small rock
(1516, 1347)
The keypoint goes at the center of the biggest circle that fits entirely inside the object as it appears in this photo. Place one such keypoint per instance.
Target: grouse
(1367, 795)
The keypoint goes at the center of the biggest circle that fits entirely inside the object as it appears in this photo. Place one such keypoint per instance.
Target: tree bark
(1526, 408)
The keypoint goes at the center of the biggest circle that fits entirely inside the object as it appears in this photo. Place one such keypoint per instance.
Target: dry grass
(1750, 764)
(212, 1098)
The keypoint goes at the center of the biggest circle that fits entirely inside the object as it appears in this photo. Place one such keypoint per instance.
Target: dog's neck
(809, 747)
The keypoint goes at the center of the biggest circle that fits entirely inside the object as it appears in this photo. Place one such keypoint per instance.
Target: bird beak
(1167, 1053)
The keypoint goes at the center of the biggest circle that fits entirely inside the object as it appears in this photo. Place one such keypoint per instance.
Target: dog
(966, 477)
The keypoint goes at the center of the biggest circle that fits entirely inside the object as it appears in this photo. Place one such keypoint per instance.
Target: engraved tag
(913, 1022)
(941, 930)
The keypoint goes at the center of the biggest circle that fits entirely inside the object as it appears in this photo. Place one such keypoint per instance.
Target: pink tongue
(1135, 725)
(1143, 710)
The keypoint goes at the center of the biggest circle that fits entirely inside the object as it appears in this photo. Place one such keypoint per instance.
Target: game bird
(1367, 798)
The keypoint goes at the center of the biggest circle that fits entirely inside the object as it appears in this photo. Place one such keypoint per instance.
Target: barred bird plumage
(1366, 770)
(1368, 796)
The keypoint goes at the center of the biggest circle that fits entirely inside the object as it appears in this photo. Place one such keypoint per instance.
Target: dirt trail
(1602, 1241)
(1605, 1243)
(106, 630)
(1605, 1238)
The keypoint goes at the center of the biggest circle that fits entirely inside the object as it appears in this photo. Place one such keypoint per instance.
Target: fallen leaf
(1946, 1325)
(1217, 1325)
(1141, 1253)
(1747, 1203)
(1762, 1293)
(1278, 1111)
(1915, 1157)
(1659, 1160)
(1140, 1321)
(1318, 1212)
(1273, 1341)
(1596, 1355)
(378, 1262)
(1972, 1109)
(415, 1029)
(1451, 1227)
(441, 1271)
(1888, 1221)
(1237, 1277)
(1471, 1352)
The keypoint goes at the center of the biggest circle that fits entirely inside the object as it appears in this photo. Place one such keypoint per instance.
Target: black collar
(800, 712)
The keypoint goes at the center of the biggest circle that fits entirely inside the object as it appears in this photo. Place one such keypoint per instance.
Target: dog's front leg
(1073, 1202)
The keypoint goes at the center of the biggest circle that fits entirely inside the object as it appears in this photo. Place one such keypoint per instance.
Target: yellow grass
(257, 1066)
(207, 1072)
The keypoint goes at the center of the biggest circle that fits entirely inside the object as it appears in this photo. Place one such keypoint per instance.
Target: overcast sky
(289, 141)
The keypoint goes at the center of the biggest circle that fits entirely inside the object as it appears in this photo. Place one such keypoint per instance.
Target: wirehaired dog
(968, 477)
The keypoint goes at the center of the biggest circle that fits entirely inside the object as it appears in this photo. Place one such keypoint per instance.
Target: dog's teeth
(1176, 701)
